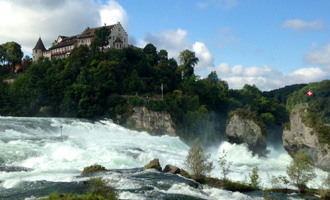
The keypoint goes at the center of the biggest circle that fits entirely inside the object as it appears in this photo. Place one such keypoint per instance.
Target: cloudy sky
(267, 43)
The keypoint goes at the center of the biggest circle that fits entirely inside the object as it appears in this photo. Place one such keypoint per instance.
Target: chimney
(105, 24)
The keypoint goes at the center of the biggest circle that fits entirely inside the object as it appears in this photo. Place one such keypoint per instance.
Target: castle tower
(38, 50)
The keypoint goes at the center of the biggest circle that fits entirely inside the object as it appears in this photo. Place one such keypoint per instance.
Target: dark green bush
(136, 101)
(157, 105)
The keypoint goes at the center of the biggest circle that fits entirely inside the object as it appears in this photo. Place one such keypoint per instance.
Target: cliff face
(301, 136)
(241, 130)
(156, 123)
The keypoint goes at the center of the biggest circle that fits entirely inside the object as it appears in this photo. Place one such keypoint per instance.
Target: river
(36, 160)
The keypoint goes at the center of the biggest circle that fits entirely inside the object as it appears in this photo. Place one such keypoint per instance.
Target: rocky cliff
(299, 136)
(243, 130)
(156, 123)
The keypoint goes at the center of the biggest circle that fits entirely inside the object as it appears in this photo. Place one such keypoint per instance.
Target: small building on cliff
(62, 47)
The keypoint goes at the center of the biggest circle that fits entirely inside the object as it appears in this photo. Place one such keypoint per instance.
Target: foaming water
(33, 154)
(243, 161)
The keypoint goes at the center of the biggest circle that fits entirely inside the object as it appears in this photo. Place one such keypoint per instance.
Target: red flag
(309, 93)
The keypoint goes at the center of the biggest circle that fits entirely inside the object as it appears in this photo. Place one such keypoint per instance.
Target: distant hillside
(319, 103)
(282, 94)
(318, 115)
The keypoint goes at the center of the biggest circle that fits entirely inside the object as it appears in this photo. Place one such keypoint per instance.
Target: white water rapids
(35, 144)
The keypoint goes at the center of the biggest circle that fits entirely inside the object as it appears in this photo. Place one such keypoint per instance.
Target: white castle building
(62, 47)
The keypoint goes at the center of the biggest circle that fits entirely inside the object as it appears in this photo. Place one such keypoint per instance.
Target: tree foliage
(101, 37)
(188, 60)
(197, 162)
(224, 165)
(14, 53)
(300, 170)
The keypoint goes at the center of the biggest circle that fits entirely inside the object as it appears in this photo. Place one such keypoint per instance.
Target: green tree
(213, 77)
(224, 164)
(197, 162)
(188, 60)
(300, 170)
(27, 61)
(13, 53)
(254, 177)
(151, 53)
(163, 55)
(101, 37)
(3, 54)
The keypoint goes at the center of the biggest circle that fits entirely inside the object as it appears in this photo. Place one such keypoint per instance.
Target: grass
(93, 168)
(100, 191)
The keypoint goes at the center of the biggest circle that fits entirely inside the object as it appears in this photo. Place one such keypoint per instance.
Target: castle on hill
(62, 47)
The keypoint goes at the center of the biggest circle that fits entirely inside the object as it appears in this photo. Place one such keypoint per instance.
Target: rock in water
(172, 169)
(242, 129)
(299, 136)
(93, 168)
(154, 164)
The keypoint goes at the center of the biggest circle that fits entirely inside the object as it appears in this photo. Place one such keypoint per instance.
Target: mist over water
(33, 154)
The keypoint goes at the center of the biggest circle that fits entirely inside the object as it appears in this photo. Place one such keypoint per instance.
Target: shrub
(100, 191)
(100, 188)
(300, 170)
(255, 179)
(157, 105)
(136, 101)
(197, 162)
(93, 168)
(224, 164)
(325, 193)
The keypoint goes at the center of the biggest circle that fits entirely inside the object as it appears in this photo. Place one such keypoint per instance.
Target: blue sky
(263, 42)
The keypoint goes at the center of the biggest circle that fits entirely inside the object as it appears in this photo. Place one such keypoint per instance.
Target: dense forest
(95, 83)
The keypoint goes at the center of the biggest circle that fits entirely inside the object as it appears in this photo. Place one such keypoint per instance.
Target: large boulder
(172, 169)
(298, 136)
(242, 128)
(154, 164)
(156, 123)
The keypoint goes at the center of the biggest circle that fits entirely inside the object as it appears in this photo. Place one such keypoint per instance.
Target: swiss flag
(309, 93)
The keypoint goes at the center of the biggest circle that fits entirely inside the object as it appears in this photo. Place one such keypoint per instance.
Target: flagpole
(162, 91)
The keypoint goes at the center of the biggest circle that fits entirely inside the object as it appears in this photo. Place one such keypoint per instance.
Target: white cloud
(306, 75)
(318, 57)
(203, 54)
(175, 42)
(113, 12)
(300, 25)
(24, 21)
(256, 71)
(266, 78)
(223, 4)
(172, 41)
